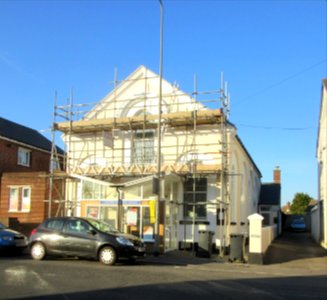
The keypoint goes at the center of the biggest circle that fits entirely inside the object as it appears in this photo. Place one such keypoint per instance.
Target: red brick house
(25, 157)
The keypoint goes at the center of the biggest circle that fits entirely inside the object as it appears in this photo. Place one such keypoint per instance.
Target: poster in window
(92, 212)
(152, 205)
(131, 217)
(148, 233)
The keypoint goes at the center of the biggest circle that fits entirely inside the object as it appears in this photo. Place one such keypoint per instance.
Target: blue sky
(273, 54)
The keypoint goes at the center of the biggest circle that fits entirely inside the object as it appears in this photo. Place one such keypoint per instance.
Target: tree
(300, 203)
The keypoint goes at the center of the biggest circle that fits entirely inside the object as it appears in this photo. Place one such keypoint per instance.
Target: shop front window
(132, 220)
(93, 190)
(109, 214)
(148, 222)
(138, 216)
(140, 221)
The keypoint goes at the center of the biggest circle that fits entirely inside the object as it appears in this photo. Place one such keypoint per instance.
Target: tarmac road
(301, 274)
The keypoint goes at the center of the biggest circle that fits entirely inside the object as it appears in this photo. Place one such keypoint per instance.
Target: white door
(171, 227)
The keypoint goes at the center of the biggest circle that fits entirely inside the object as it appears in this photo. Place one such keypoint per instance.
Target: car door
(79, 238)
(51, 234)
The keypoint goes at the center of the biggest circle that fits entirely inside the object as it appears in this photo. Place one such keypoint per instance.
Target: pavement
(290, 249)
(184, 258)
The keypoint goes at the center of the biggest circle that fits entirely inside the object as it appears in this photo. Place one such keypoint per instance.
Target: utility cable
(247, 98)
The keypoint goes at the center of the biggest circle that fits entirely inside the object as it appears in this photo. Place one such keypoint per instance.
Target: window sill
(23, 165)
(197, 222)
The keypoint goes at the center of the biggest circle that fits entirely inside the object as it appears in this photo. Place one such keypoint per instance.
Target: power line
(247, 98)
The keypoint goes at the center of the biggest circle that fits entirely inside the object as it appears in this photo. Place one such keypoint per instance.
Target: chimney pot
(276, 175)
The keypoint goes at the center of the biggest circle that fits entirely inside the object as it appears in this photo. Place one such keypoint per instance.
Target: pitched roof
(26, 135)
(248, 154)
(270, 194)
(141, 84)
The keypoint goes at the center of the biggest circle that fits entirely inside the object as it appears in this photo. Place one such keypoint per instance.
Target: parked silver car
(83, 237)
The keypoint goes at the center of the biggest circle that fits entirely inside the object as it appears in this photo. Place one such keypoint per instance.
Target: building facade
(319, 223)
(269, 203)
(25, 157)
(160, 164)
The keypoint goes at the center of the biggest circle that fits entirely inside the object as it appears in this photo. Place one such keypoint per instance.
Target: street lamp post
(157, 239)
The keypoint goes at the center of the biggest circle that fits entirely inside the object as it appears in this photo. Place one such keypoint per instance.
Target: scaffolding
(115, 138)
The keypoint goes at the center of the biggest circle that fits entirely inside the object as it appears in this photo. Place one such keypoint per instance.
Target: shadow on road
(251, 288)
(293, 246)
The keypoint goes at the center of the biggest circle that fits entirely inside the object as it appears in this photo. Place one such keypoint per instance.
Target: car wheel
(38, 251)
(107, 256)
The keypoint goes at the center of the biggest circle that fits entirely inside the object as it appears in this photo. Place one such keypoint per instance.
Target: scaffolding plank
(149, 121)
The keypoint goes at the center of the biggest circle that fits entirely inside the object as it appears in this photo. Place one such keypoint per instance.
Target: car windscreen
(2, 226)
(298, 221)
(103, 226)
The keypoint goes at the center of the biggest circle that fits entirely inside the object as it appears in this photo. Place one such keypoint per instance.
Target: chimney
(277, 175)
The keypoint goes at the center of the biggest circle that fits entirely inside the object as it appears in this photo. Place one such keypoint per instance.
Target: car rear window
(54, 224)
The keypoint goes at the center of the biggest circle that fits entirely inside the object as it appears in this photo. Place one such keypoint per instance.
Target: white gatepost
(255, 239)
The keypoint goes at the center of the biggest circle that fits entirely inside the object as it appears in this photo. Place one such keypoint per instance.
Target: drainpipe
(120, 208)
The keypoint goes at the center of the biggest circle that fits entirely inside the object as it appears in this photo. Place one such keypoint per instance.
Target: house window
(264, 208)
(143, 150)
(26, 199)
(195, 197)
(24, 157)
(266, 219)
(13, 199)
(55, 164)
(19, 199)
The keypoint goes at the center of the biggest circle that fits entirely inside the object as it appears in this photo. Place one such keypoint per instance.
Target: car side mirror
(92, 232)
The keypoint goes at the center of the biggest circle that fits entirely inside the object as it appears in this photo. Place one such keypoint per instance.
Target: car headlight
(7, 238)
(123, 241)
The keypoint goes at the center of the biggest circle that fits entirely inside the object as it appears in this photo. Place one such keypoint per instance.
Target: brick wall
(40, 160)
(39, 184)
(35, 176)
